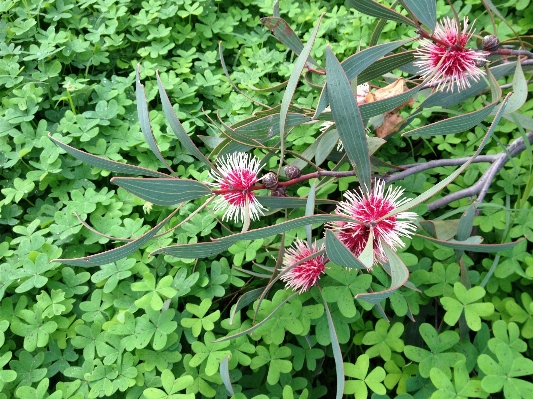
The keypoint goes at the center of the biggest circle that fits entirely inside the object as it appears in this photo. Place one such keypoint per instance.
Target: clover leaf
(27, 392)
(113, 273)
(437, 356)
(201, 321)
(508, 334)
(363, 379)
(462, 386)
(153, 298)
(6, 375)
(210, 352)
(35, 331)
(273, 356)
(341, 287)
(171, 387)
(465, 303)
(157, 325)
(502, 373)
(384, 341)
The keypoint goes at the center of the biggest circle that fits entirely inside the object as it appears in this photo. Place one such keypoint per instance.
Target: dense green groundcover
(143, 327)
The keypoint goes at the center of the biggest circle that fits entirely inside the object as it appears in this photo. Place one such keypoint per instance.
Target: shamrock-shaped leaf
(341, 287)
(437, 356)
(441, 279)
(466, 302)
(201, 320)
(35, 331)
(503, 373)
(171, 387)
(34, 271)
(462, 387)
(153, 298)
(522, 315)
(6, 375)
(210, 352)
(398, 373)
(363, 379)
(27, 392)
(126, 329)
(384, 341)
(53, 305)
(274, 357)
(113, 273)
(157, 325)
(182, 284)
(27, 367)
(508, 334)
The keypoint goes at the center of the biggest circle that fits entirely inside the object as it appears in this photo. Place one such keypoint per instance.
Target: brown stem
(320, 173)
(506, 51)
(313, 70)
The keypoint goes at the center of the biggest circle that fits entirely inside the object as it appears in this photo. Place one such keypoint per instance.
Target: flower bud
(490, 43)
(292, 172)
(278, 192)
(270, 180)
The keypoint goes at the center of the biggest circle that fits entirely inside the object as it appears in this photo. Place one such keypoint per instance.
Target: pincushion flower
(444, 57)
(305, 275)
(368, 211)
(238, 173)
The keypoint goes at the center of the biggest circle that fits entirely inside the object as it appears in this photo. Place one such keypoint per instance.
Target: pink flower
(445, 58)
(238, 174)
(303, 276)
(367, 210)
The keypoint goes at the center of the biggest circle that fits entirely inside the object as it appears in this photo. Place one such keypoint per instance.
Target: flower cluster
(238, 174)
(302, 276)
(444, 58)
(235, 180)
(369, 212)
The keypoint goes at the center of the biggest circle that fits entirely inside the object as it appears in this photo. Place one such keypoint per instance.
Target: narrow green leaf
(203, 250)
(224, 375)
(367, 255)
(380, 107)
(251, 329)
(464, 229)
(399, 275)
(356, 64)
(176, 126)
(116, 254)
(385, 65)
(471, 244)
(163, 191)
(268, 126)
(455, 124)
(378, 30)
(326, 144)
(284, 33)
(337, 354)
(245, 300)
(348, 120)
(299, 65)
(339, 254)
(424, 10)
(106, 164)
(520, 91)
(370, 7)
(144, 119)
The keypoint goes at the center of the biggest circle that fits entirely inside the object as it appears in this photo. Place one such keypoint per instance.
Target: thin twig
(506, 51)
(411, 169)
(483, 184)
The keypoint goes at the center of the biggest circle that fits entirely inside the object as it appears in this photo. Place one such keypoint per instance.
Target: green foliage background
(68, 67)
